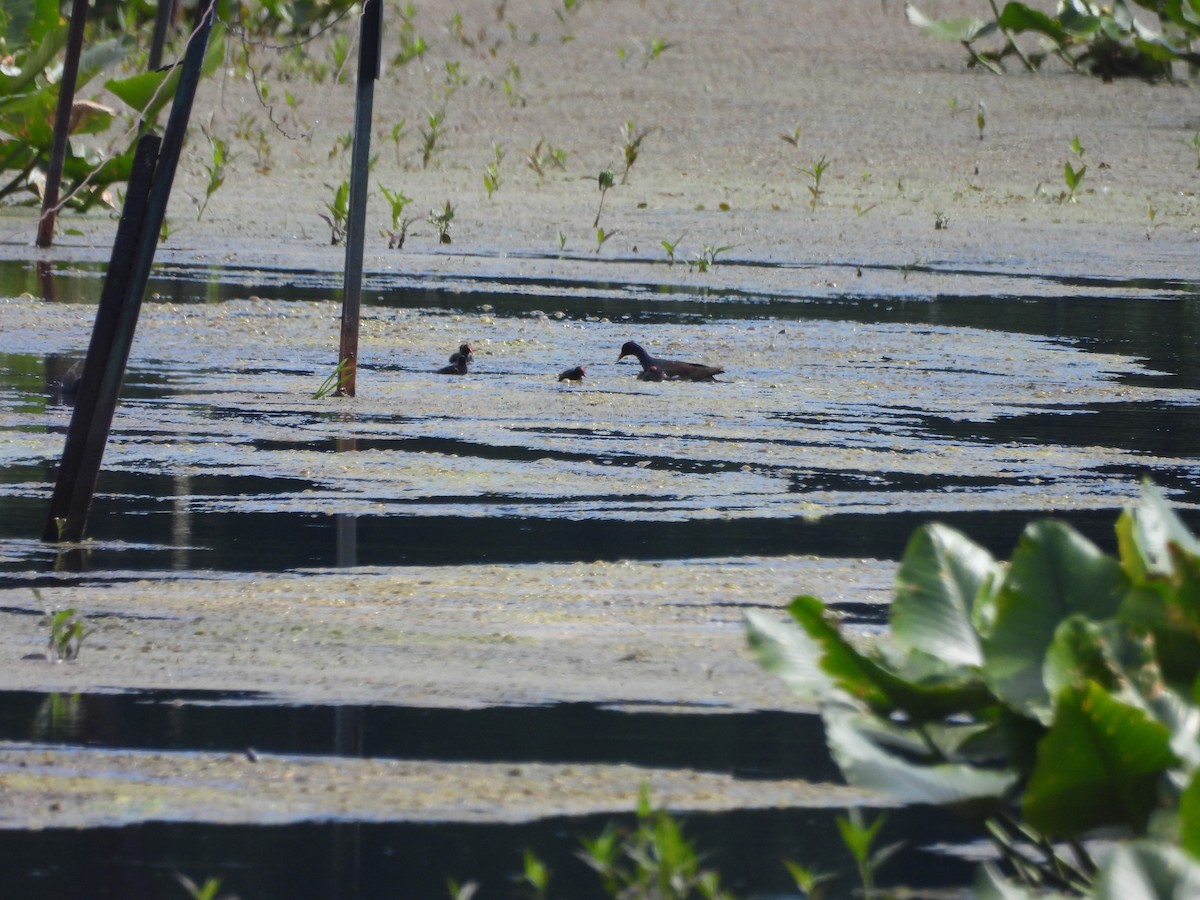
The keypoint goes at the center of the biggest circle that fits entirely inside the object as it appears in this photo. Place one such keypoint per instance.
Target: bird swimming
(574, 374)
(458, 361)
(668, 368)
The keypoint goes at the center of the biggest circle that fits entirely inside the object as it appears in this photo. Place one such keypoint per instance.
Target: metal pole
(162, 18)
(62, 123)
(370, 33)
(77, 475)
(80, 464)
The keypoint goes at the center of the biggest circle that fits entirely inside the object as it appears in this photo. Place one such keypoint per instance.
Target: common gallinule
(458, 361)
(575, 374)
(654, 373)
(668, 368)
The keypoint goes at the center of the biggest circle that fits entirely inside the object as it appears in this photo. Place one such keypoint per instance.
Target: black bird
(654, 373)
(575, 374)
(458, 362)
(668, 368)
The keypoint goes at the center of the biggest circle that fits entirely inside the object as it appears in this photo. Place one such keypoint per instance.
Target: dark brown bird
(654, 373)
(458, 362)
(575, 374)
(668, 368)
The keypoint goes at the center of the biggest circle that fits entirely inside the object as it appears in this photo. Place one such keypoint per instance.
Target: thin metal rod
(370, 34)
(62, 123)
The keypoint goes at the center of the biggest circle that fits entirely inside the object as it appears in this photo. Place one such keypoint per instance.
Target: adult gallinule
(575, 374)
(458, 361)
(668, 368)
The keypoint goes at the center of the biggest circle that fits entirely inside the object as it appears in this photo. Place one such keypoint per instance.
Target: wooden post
(369, 50)
(128, 272)
(62, 123)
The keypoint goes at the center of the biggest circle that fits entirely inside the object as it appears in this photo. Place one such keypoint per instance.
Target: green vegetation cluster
(1055, 698)
(1103, 39)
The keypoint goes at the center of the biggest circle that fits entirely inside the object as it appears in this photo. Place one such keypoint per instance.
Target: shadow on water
(355, 861)
(749, 745)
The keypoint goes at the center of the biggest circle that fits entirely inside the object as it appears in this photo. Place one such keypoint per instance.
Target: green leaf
(1099, 764)
(1145, 869)
(1055, 572)
(787, 652)
(1189, 817)
(149, 92)
(936, 585)
(1017, 17)
(1146, 533)
(866, 762)
(962, 30)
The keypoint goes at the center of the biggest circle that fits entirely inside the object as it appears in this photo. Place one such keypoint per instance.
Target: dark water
(349, 861)
(134, 528)
(764, 744)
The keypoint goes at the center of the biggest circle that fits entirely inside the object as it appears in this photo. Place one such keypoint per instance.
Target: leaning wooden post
(98, 391)
(370, 34)
(62, 123)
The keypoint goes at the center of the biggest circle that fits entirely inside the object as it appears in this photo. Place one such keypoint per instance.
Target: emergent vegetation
(1053, 696)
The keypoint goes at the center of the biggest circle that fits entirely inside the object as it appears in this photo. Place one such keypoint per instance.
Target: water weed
(334, 381)
(815, 172)
(66, 632)
(441, 219)
(436, 126)
(338, 208)
(631, 146)
(605, 180)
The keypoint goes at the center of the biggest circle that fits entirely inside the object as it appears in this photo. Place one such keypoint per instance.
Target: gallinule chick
(458, 362)
(575, 374)
(654, 373)
(668, 368)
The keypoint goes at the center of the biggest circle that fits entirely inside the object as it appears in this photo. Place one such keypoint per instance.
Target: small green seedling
(512, 79)
(412, 44)
(632, 145)
(207, 891)
(602, 236)
(165, 230)
(341, 144)
(339, 211)
(810, 882)
(793, 138)
(707, 257)
(491, 172)
(436, 120)
(1151, 216)
(670, 246)
(399, 230)
(1194, 143)
(334, 381)
(657, 47)
(1072, 176)
(537, 160)
(464, 891)
(441, 221)
(858, 839)
(980, 118)
(215, 169)
(941, 221)
(535, 875)
(562, 240)
(397, 135)
(67, 631)
(815, 172)
(606, 180)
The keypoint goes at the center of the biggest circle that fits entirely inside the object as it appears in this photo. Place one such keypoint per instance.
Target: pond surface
(840, 425)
